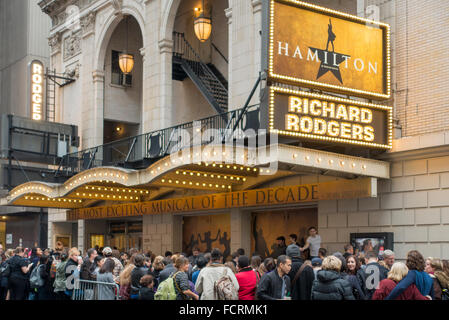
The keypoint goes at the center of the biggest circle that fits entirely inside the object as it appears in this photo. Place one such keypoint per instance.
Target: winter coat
(270, 286)
(365, 273)
(60, 278)
(168, 270)
(247, 279)
(357, 291)
(106, 292)
(387, 285)
(125, 291)
(296, 264)
(443, 279)
(421, 279)
(206, 279)
(302, 287)
(136, 275)
(330, 286)
(87, 270)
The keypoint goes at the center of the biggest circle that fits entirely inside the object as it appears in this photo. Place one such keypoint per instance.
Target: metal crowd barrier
(94, 290)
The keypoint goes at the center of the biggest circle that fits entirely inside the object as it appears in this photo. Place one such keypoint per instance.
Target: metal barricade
(95, 290)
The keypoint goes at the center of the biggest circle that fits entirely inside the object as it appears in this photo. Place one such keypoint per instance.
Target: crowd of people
(51, 275)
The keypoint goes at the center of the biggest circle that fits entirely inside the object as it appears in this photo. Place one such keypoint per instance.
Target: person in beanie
(294, 253)
(118, 268)
(247, 279)
(276, 285)
(279, 247)
(316, 265)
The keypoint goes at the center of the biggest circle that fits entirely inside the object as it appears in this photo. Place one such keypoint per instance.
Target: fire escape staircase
(208, 80)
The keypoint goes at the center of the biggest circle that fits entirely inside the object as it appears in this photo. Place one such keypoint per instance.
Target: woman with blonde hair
(158, 266)
(398, 271)
(125, 281)
(434, 267)
(329, 284)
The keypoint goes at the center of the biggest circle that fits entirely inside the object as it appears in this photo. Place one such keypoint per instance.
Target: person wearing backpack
(5, 272)
(18, 279)
(275, 285)
(247, 278)
(216, 281)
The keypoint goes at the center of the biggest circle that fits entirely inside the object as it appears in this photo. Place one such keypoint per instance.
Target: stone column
(81, 236)
(161, 232)
(240, 230)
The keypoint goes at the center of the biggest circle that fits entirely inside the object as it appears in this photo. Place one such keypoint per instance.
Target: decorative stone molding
(257, 6)
(98, 75)
(73, 71)
(55, 43)
(118, 6)
(88, 24)
(72, 45)
(165, 46)
(228, 14)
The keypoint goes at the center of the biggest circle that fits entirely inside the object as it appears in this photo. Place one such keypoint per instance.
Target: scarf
(423, 282)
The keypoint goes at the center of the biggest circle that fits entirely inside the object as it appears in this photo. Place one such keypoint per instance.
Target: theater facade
(272, 117)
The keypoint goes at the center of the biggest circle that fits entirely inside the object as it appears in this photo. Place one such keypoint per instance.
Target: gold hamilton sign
(321, 48)
(340, 189)
(326, 118)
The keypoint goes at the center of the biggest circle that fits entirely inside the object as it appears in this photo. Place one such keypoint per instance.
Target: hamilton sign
(317, 47)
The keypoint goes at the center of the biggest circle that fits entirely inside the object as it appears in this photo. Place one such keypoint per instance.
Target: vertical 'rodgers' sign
(317, 47)
(37, 90)
(326, 118)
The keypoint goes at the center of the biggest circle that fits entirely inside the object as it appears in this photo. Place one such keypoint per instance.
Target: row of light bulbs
(198, 184)
(116, 189)
(106, 196)
(211, 175)
(53, 199)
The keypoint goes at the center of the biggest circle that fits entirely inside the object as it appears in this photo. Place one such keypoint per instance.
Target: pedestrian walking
(275, 285)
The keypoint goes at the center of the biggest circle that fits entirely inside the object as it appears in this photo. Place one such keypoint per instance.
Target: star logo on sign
(330, 60)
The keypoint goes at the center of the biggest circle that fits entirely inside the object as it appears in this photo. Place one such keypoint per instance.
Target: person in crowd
(434, 267)
(201, 263)
(350, 274)
(339, 255)
(313, 242)
(146, 291)
(416, 275)
(231, 265)
(98, 263)
(158, 266)
(88, 267)
(106, 292)
(5, 271)
(210, 274)
(107, 253)
(329, 285)
(278, 248)
(322, 253)
(316, 265)
(234, 258)
(19, 277)
(388, 256)
(247, 278)
(60, 278)
(349, 251)
(136, 274)
(72, 266)
(168, 254)
(44, 292)
(293, 238)
(36, 254)
(294, 253)
(169, 268)
(267, 265)
(195, 255)
(124, 258)
(372, 268)
(303, 281)
(181, 280)
(445, 265)
(276, 285)
(255, 263)
(361, 257)
(125, 279)
(398, 271)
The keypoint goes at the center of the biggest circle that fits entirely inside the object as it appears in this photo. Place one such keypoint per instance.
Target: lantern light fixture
(202, 25)
(126, 60)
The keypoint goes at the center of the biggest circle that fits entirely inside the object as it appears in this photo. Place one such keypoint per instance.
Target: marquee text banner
(321, 117)
(317, 47)
(340, 189)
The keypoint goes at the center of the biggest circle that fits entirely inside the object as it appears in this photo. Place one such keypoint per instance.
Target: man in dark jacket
(294, 253)
(169, 268)
(278, 248)
(275, 285)
(370, 277)
(88, 267)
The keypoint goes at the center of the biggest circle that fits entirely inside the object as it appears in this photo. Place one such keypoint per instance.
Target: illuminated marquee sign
(321, 48)
(320, 117)
(37, 90)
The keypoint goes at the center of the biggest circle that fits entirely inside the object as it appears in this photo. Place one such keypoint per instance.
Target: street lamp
(126, 60)
(202, 26)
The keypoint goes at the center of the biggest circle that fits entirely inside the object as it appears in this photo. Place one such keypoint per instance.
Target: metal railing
(95, 290)
(141, 150)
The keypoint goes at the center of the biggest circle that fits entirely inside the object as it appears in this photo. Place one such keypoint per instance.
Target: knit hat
(293, 251)
(316, 262)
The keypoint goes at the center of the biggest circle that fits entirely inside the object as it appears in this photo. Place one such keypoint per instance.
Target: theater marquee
(320, 117)
(321, 48)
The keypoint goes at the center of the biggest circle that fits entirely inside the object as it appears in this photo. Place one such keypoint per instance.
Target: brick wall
(414, 204)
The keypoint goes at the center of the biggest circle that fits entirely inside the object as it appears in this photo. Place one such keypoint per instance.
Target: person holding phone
(18, 280)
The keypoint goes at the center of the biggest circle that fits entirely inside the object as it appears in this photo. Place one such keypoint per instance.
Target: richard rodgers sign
(317, 47)
(320, 117)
